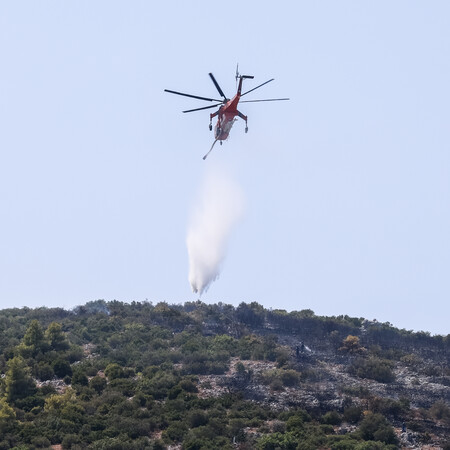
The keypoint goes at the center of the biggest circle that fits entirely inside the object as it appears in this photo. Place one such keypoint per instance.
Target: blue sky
(346, 186)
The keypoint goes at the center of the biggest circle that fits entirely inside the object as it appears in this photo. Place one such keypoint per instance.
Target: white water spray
(218, 208)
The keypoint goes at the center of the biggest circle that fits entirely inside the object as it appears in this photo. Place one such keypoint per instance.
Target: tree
(44, 371)
(352, 345)
(61, 367)
(175, 432)
(7, 417)
(223, 342)
(240, 368)
(295, 424)
(18, 382)
(34, 335)
(79, 377)
(98, 384)
(114, 371)
(33, 341)
(64, 412)
(56, 337)
(306, 314)
(252, 314)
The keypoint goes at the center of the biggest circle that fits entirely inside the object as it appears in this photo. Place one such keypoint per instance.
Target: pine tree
(34, 341)
(18, 382)
(7, 416)
(56, 337)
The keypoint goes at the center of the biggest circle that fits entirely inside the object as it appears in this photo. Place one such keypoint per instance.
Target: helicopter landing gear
(244, 118)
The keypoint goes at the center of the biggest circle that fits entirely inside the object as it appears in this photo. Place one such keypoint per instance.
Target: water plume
(216, 211)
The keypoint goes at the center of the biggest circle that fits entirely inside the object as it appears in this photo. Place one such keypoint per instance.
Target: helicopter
(227, 113)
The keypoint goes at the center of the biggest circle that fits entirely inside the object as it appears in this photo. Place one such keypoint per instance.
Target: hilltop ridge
(199, 376)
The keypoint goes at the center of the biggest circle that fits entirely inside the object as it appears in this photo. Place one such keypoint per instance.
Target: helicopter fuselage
(226, 116)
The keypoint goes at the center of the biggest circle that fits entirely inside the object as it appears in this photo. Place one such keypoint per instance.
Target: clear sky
(346, 186)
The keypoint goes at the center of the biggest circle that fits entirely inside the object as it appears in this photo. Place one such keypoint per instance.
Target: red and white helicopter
(227, 112)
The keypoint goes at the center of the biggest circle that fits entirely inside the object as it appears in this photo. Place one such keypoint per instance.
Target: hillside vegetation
(111, 375)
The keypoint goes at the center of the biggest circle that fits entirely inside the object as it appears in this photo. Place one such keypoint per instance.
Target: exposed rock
(57, 383)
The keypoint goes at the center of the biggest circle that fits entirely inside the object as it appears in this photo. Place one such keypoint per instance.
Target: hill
(110, 375)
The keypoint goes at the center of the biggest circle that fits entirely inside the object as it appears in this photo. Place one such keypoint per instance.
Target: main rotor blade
(193, 96)
(265, 100)
(205, 107)
(251, 90)
(216, 84)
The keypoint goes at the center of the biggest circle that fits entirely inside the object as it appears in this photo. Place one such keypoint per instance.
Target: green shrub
(126, 386)
(375, 427)
(174, 432)
(188, 386)
(440, 411)
(197, 418)
(114, 371)
(61, 367)
(98, 384)
(353, 414)
(373, 368)
(295, 424)
(277, 441)
(332, 418)
(41, 442)
(45, 372)
(278, 426)
(70, 440)
(290, 377)
(276, 384)
(79, 377)
(278, 378)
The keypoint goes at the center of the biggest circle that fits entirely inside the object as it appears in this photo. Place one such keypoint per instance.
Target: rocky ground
(327, 385)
